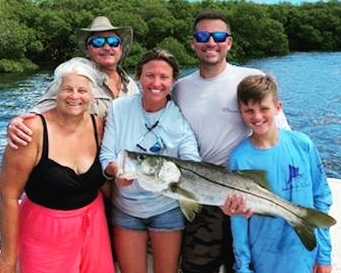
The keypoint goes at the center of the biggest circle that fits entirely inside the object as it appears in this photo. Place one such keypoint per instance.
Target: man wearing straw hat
(106, 46)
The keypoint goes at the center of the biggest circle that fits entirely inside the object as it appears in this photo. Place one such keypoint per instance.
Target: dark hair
(158, 54)
(255, 88)
(211, 15)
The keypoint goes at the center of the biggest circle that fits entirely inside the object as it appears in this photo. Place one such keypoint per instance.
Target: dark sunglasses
(204, 36)
(98, 42)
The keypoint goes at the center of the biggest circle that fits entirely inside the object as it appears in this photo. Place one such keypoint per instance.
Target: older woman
(60, 223)
(106, 46)
(148, 122)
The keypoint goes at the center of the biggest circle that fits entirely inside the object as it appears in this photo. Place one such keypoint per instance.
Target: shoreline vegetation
(36, 33)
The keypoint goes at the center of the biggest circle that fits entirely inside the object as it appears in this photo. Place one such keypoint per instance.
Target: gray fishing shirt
(211, 108)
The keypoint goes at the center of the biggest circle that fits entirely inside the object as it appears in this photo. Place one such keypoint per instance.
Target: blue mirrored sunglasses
(98, 42)
(156, 148)
(204, 36)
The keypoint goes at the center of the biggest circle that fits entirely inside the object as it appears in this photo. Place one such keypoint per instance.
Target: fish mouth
(126, 168)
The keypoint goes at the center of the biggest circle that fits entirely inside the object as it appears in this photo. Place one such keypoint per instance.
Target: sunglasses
(98, 42)
(157, 147)
(204, 36)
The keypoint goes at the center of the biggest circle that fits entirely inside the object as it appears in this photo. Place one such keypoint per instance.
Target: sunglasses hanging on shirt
(157, 147)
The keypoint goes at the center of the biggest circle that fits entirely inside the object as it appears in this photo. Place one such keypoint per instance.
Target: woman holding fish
(149, 122)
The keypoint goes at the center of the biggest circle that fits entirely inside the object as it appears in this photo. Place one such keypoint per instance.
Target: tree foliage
(43, 31)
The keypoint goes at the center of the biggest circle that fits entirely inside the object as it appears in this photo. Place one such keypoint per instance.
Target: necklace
(152, 119)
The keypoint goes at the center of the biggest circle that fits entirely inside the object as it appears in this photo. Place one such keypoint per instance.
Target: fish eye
(141, 157)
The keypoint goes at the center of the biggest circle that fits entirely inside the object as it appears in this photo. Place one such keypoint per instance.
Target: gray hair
(80, 66)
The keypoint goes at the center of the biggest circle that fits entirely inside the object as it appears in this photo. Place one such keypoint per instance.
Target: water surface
(309, 83)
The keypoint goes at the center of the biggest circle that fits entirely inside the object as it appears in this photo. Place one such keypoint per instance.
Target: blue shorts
(168, 221)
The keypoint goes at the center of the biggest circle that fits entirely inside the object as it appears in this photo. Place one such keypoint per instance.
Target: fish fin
(179, 191)
(189, 209)
(306, 234)
(312, 219)
(258, 176)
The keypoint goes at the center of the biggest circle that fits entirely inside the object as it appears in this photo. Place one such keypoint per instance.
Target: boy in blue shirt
(294, 171)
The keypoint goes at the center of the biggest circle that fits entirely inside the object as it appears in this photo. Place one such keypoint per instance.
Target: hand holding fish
(111, 170)
(122, 182)
(236, 204)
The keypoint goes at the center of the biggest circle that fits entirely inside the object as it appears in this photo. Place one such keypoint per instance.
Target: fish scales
(195, 184)
(224, 183)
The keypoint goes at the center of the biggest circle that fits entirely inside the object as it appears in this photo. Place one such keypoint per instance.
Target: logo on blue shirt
(293, 173)
(296, 179)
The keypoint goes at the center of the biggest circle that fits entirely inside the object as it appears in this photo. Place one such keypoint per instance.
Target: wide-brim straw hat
(102, 23)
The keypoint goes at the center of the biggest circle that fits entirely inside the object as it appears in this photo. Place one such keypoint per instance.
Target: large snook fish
(196, 183)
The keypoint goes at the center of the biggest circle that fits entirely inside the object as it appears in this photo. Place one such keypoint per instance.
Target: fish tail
(319, 219)
(305, 228)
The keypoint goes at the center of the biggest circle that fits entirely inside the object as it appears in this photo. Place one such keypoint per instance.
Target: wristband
(108, 176)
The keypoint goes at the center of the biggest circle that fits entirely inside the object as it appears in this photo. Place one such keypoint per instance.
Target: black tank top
(59, 187)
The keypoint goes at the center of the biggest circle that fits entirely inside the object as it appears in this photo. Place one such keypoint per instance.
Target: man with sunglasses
(106, 46)
(208, 100)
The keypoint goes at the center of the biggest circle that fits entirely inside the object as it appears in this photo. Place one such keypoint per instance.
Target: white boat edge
(335, 231)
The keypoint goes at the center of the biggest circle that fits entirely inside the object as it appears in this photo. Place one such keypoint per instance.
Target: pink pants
(54, 241)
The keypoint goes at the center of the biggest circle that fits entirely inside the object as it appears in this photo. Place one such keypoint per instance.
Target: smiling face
(211, 53)
(106, 57)
(74, 94)
(156, 80)
(260, 115)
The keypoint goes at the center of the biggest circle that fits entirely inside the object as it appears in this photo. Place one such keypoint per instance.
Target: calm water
(310, 88)
(310, 85)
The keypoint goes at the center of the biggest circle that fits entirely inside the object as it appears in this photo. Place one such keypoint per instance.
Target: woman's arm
(16, 168)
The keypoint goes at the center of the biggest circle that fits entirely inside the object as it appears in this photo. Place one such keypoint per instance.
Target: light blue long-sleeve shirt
(295, 172)
(125, 127)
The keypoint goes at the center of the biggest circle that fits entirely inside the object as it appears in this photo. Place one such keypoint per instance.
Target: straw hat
(102, 23)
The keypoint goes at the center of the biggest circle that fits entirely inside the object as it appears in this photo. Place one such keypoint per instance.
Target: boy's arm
(322, 202)
(240, 234)
(241, 248)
